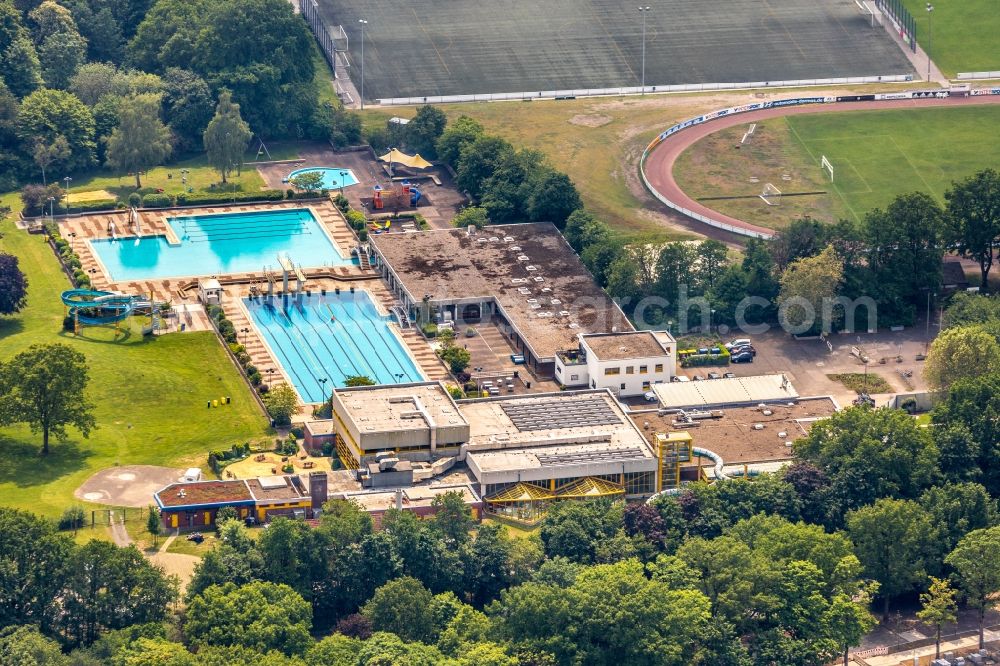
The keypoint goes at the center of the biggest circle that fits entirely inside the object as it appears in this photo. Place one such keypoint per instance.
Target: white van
(738, 343)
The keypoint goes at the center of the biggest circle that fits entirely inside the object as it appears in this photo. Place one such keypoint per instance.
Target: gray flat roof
(624, 346)
(731, 391)
(529, 269)
(391, 408)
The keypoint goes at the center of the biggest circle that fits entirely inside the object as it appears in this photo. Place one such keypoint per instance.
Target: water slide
(95, 308)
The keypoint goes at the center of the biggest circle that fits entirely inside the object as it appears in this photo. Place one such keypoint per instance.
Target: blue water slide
(94, 308)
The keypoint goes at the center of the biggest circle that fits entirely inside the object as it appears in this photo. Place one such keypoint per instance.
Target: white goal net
(771, 195)
(826, 166)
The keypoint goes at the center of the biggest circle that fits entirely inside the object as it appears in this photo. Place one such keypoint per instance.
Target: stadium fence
(902, 21)
(637, 90)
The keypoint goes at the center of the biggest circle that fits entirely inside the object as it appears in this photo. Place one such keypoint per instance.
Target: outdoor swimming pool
(333, 177)
(221, 243)
(332, 337)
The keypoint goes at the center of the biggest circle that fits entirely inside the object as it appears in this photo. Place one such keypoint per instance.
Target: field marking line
(430, 40)
(614, 42)
(836, 189)
(930, 190)
(785, 29)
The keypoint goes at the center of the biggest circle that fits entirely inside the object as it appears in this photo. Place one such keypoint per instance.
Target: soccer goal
(771, 195)
(826, 166)
(866, 11)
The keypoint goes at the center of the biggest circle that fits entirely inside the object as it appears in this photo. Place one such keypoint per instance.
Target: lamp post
(270, 377)
(244, 331)
(322, 387)
(67, 180)
(52, 203)
(930, 34)
(479, 382)
(644, 10)
(343, 174)
(363, 23)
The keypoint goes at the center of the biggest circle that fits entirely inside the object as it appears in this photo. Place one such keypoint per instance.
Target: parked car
(650, 396)
(714, 375)
(743, 357)
(728, 375)
(743, 349)
(739, 342)
(698, 378)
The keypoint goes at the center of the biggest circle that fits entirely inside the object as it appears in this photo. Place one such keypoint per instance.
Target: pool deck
(182, 292)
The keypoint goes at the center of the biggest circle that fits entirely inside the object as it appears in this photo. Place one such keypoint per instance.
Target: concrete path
(118, 531)
(919, 58)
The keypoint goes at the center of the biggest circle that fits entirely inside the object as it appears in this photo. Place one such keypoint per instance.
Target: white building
(628, 363)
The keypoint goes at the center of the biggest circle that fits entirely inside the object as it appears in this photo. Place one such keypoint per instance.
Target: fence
(981, 76)
(310, 10)
(638, 90)
(902, 21)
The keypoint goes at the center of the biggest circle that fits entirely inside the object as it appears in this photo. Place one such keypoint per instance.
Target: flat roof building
(419, 420)
(552, 440)
(627, 363)
(524, 277)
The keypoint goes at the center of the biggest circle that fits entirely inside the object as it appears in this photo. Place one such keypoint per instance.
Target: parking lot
(807, 363)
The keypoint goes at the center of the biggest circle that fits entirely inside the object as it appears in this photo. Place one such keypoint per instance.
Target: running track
(660, 162)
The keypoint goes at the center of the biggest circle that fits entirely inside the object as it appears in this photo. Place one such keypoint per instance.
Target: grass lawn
(963, 34)
(855, 381)
(876, 155)
(149, 393)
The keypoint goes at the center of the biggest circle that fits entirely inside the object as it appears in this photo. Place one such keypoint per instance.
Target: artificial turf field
(458, 47)
(963, 34)
(876, 155)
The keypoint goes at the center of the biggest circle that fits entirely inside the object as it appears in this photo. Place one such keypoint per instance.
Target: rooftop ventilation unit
(538, 278)
(494, 239)
(508, 239)
(522, 257)
(532, 268)
(758, 426)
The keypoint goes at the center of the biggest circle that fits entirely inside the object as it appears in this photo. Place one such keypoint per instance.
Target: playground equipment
(395, 197)
(89, 307)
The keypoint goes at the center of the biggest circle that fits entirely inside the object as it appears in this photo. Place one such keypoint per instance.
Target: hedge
(157, 201)
(321, 194)
(198, 198)
(700, 360)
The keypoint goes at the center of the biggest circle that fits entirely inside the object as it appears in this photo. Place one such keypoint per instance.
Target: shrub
(288, 468)
(213, 463)
(96, 205)
(134, 200)
(327, 448)
(297, 433)
(251, 369)
(73, 261)
(289, 447)
(216, 313)
(263, 389)
(457, 358)
(199, 198)
(429, 330)
(68, 324)
(157, 201)
(363, 234)
(226, 327)
(226, 513)
(255, 378)
(243, 358)
(61, 244)
(356, 220)
(341, 202)
(235, 348)
(36, 198)
(72, 518)
(455, 392)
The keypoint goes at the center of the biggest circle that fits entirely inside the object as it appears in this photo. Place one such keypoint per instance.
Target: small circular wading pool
(333, 177)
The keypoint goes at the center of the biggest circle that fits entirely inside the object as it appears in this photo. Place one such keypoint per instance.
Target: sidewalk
(918, 58)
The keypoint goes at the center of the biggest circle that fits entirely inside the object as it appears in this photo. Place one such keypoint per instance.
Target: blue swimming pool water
(222, 243)
(332, 336)
(332, 179)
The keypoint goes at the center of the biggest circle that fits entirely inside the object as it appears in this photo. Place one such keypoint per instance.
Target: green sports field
(876, 155)
(962, 35)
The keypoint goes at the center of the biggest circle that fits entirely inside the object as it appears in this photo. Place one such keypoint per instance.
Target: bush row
(67, 256)
(701, 360)
(228, 333)
(218, 459)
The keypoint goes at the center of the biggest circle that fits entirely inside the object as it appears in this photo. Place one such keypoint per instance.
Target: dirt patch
(590, 120)
(131, 485)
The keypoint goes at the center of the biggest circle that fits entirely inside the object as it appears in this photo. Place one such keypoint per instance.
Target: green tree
(33, 563)
(471, 216)
(260, 616)
(554, 199)
(60, 55)
(803, 238)
(359, 380)
(758, 266)
(847, 620)
(937, 608)
(187, 103)
(976, 561)
(141, 140)
(727, 293)
(806, 285)
(22, 71)
(26, 646)
(452, 517)
(479, 160)
(108, 587)
(336, 650)
(154, 652)
(310, 181)
(13, 285)
(50, 18)
(463, 131)
(401, 606)
(674, 271)
(153, 524)
(710, 262)
(46, 154)
(424, 130)
(971, 412)
(44, 387)
(973, 207)
(226, 136)
(48, 114)
(281, 402)
(345, 522)
(457, 358)
(891, 538)
(870, 453)
(960, 353)
(967, 309)
(583, 230)
(955, 510)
